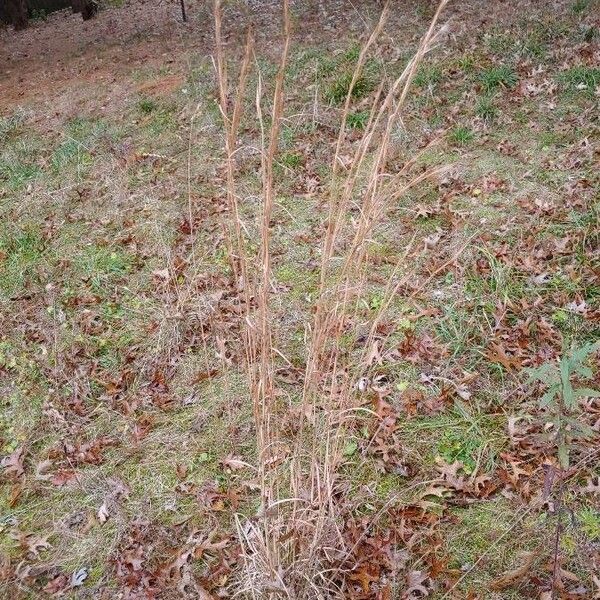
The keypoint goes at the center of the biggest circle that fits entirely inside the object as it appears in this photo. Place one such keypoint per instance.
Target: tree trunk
(87, 8)
(17, 13)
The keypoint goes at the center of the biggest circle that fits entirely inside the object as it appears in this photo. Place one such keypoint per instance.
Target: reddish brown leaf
(498, 355)
(514, 576)
(57, 585)
(63, 477)
(13, 464)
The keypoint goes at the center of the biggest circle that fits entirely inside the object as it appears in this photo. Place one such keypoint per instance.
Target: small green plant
(579, 6)
(291, 160)
(485, 109)
(589, 520)
(462, 446)
(461, 135)
(376, 301)
(39, 14)
(428, 76)
(147, 106)
(338, 90)
(357, 120)
(561, 398)
(581, 78)
(495, 77)
(466, 63)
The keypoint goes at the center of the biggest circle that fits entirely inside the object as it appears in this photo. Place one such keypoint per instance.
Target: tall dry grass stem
(295, 546)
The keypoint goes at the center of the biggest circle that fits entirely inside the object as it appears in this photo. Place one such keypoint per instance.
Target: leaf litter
(403, 552)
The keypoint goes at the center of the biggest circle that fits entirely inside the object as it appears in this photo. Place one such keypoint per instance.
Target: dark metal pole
(183, 15)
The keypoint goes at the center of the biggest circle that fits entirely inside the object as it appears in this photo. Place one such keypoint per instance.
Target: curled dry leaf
(463, 392)
(42, 470)
(32, 544)
(578, 308)
(57, 586)
(235, 463)
(514, 576)
(13, 464)
(161, 274)
(415, 581)
(432, 240)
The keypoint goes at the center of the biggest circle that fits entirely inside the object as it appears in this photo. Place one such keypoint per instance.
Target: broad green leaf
(586, 392)
(547, 398)
(540, 373)
(585, 372)
(580, 429)
(567, 388)
(581, 354)
(350, 448)
(563, 456)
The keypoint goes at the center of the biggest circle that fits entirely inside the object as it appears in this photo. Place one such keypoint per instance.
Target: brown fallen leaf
(13, 464)
(57, 586)
(204, 375)
(32, 544)
(15, 494)
(497, 354)
(63, 477)
(510, 578)
(415, 581)
(181, 471)
(234, 463)
(364, 577)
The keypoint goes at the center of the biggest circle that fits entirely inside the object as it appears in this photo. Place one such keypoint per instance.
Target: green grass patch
(20, 254)
(147, 105)
(102, 266)
(71, 154)
(358, 119)
(428, 76)
(486, 109)
(497, 77)
(580, 79)
(579, 6)
(461, 136)
(291, 160)
(338, 90)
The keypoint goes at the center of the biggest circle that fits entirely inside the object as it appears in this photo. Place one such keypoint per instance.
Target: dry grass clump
(295, 546)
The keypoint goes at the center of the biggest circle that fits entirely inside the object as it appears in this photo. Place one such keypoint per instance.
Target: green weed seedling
(357, 120)
(503, 76)
(485, 109)
(560, 398)
(461, 136)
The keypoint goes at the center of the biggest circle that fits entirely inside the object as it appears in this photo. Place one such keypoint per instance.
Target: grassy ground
(127, 433)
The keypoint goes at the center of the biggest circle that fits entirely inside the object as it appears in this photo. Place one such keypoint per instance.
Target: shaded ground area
(127, 436)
